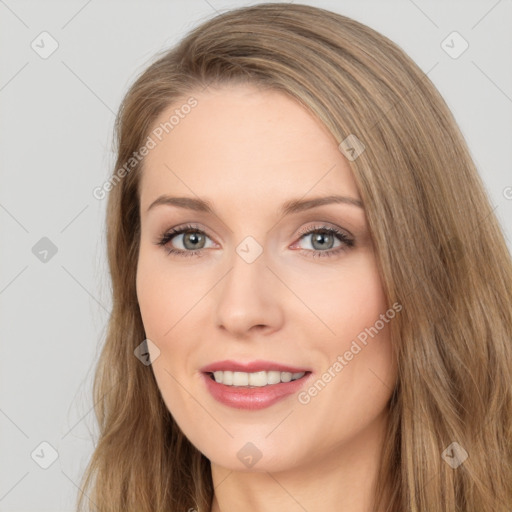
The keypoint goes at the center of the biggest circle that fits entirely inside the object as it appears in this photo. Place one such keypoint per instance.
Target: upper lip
(251, 366)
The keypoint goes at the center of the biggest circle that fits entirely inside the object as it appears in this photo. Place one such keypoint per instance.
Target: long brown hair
(439, 247)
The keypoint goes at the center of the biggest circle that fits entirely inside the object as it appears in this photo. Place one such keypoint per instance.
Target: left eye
(323, 238)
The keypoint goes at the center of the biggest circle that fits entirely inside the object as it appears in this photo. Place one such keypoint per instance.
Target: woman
(301, 247)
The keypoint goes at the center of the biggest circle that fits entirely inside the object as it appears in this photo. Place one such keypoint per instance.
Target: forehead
(245, 141)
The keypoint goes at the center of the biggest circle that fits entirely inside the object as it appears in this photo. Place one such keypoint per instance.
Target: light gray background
(56, 145)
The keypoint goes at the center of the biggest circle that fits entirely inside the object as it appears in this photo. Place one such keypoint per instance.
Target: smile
(253, 391)
(254, 379)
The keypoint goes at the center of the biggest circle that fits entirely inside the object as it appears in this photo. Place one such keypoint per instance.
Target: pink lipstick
(252, 385)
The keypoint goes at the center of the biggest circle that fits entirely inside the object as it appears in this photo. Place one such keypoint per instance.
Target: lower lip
(252, 398)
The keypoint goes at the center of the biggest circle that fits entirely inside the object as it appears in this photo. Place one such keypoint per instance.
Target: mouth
(260, 379)
(253, 390)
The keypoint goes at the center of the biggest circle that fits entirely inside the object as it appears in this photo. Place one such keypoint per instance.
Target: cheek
(155, 298)
(152, 295)
(164, 296)
(347, 299)
(162, 304)
(351, 304)
(360, 322)
(361, 303)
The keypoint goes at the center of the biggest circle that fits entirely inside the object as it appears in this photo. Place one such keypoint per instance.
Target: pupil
(194, 238)
(320, 237)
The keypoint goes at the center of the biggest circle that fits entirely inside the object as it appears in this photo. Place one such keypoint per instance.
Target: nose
(249, 299)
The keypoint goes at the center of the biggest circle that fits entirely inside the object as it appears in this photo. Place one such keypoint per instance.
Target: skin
(247, 151)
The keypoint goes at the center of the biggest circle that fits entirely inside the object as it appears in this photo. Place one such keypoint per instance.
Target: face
(263, 283)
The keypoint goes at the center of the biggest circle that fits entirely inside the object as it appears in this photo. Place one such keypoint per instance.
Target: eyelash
(342, 237)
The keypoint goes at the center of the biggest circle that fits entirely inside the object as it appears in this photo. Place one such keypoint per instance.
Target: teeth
(286, 376)
(240, 379)
(255, 379)
(273, 377)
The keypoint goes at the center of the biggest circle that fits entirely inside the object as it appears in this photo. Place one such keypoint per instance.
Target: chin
(247, 456)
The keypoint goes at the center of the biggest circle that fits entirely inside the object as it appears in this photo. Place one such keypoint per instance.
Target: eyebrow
(289, 207)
